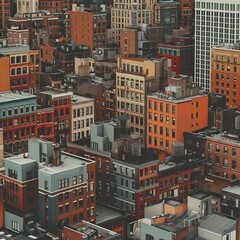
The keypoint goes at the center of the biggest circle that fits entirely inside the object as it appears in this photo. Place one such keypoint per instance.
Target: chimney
(1, 147)
(162, 157)
(56, 155)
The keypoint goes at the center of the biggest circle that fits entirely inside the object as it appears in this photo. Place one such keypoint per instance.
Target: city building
(127, 14)
(62, 103)
(18, 120)
(27, 6)
(132, 178)
(5, 11)
(166, 14)
(187, 14)
(221, 151)
(82, 117)
(45, 123)
(168, 117)
(170, 221)
(86, 230)
(215, 23)
(20, 181)
(225, 72)
(4, 73)
(23, 67)
(65, 54)
(38, 23)
(230, 201)
(66, 190)
(180, 55)
(18, 36)
(135, 78)
(140, 41)
(88, 28)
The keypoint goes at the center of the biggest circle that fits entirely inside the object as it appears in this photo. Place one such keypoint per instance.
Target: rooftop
(218, 224)
(80, 99)
(231, 137)
(14, 49)
(227, 46)
(105, 214)
(55, 94)
(15, 96)
(168, 98)
(232, 190)
(199, 195)
(90, 230)
(147, 157)
(68, 162)
(20, 159)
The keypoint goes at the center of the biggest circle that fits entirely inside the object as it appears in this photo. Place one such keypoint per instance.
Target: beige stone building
(127, 13)
(84, 66)
(82, 117)
(27, 6)
(135, 78)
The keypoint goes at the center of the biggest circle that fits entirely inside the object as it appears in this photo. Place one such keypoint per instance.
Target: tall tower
(216, 21)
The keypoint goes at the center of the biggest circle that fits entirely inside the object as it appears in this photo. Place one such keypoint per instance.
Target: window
(66, 208)
(225, 162)
(217, 147)
(225, 150)
(15, 226)
(74, 180)
(234, 165)
(234, 152)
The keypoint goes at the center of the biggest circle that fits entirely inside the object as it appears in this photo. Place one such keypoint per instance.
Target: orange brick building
(88, 28)
(129, 42)
(21, 183)
(4, 73)
(168, 118)
(221, 152)
(23, 67)
(225, 72)
(46, 53)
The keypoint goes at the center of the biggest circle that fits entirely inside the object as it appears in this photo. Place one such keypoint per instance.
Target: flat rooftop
(80, 99)
(57, 94)
(231, 137)
(218, 224)
(226, 46)
(20, 159)
(199, 195)
(171, 99)
(105, 214)
(14, 49)
(15, 96)
(69, 162)
(232, 190)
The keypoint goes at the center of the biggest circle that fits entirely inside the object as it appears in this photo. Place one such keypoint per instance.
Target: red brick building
(61, 101)
(18, 120)
(21, 183)
(181, 57)
(23, 67)
(17, 36)
(88, 28)
(225, 73)
(45, 123)
(37, 23)
(5, 10)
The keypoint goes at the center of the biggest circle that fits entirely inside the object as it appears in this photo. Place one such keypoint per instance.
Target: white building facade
(27, 6)
(216, 21)
(82, 117)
